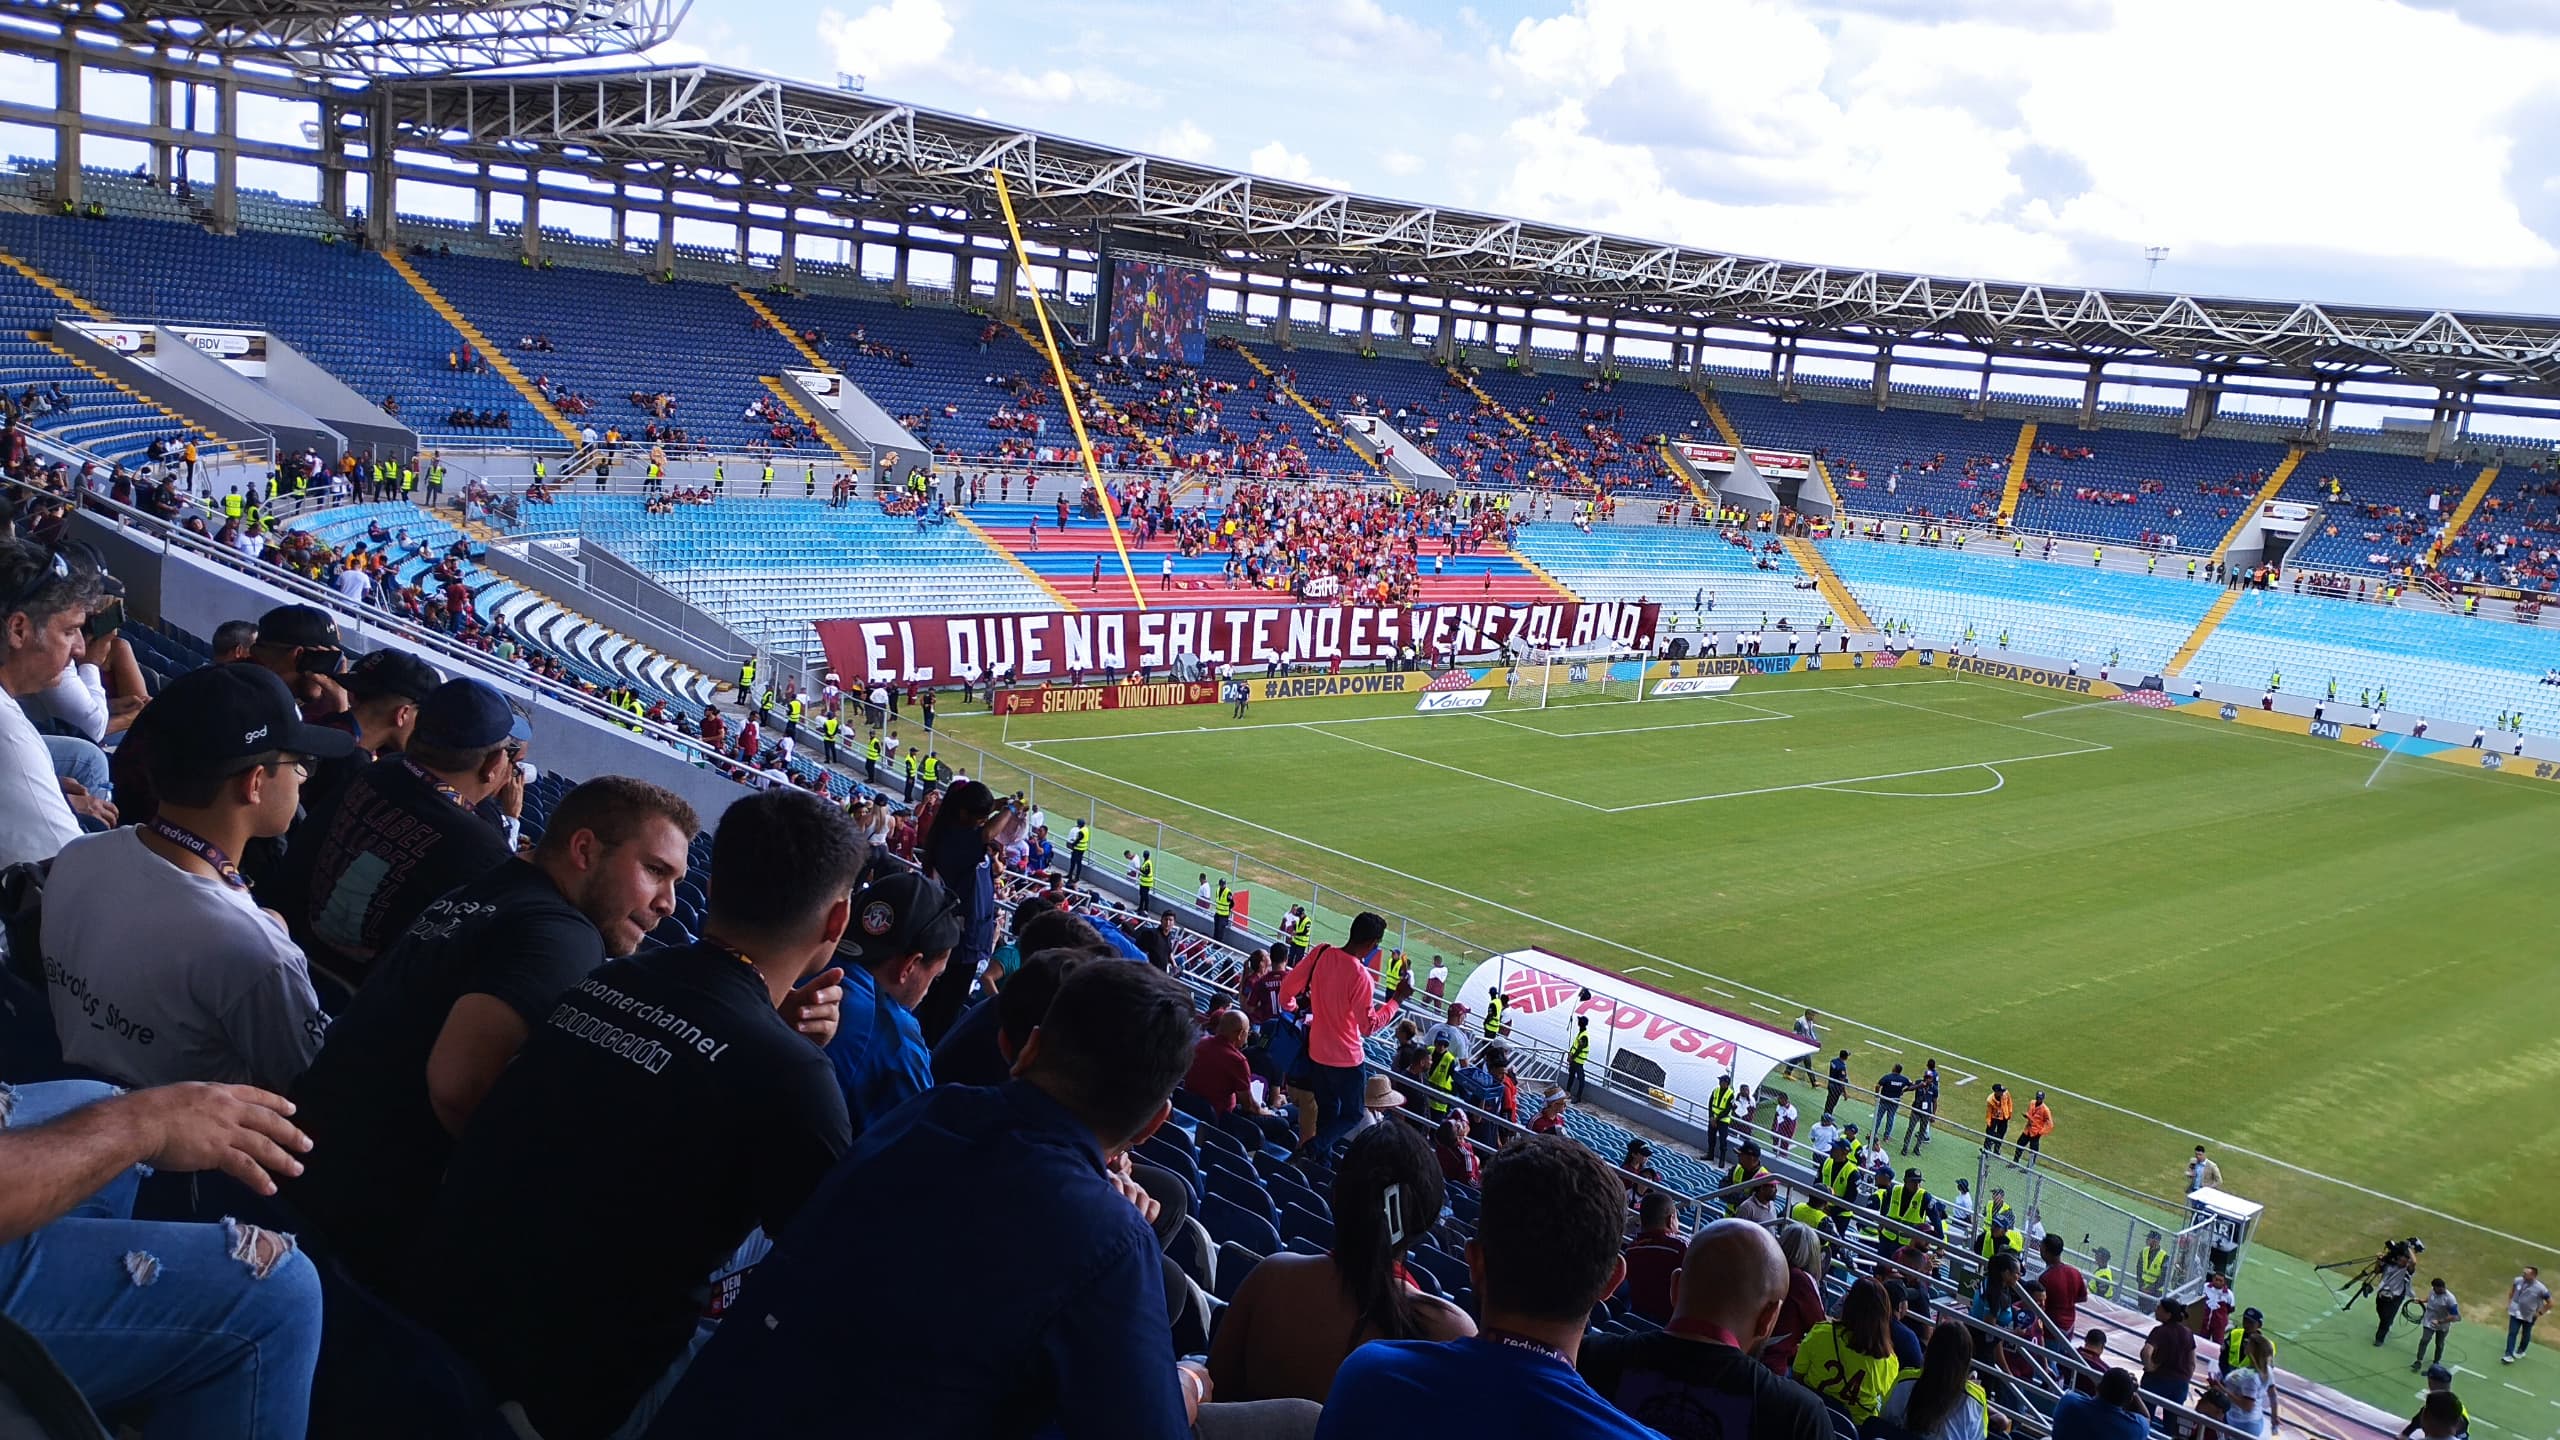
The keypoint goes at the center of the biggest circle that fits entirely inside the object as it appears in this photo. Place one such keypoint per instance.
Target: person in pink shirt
(1341, 992)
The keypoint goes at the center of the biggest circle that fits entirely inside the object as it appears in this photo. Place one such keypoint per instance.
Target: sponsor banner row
(1431, 704)
(2352, 731)
(1039, 645)
(1074, 699)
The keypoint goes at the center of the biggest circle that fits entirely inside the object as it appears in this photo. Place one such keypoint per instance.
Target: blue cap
(469, 715)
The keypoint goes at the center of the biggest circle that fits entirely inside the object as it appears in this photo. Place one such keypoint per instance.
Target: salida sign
(1038, 645)
(1657, 1040)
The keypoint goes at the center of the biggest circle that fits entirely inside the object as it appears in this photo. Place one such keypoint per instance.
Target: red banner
(1038, 645)
(1072, 699)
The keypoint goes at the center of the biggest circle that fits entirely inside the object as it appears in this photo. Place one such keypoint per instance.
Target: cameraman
(2395, 1272)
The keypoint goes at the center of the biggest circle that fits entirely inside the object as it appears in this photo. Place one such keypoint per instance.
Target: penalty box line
(1857, 780)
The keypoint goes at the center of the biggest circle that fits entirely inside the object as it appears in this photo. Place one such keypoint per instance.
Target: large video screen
(1158, 311)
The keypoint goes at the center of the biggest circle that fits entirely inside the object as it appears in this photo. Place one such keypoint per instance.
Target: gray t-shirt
(2441, 1311)
(2528, 1300)
(160, 975)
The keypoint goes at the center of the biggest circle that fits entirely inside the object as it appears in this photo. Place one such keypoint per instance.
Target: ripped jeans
(213, 1328)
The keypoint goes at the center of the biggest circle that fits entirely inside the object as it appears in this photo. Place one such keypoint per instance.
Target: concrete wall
(178, 365)
(605, 587)
(298, 381)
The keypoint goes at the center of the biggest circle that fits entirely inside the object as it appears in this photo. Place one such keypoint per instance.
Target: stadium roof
(378, 37)
(784, 142)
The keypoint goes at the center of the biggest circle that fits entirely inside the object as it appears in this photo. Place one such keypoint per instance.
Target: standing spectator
(1782, 1124)
(1850, 1361)
(154, 923)
(1889, 1093)
(1805, 1031)
(2065, 1289)
(408, 1063)
(1546, 1251)
(667, 1107)
(1997, 1107)
(1943, 1401)
(2169, 1354)
(1924, 1109)
(406, 832)
(1696, 1379)
(1297, 1317)
(1062, 1301)
(1802, 1309)
(2218, 1304)
(209, 1329)
(2528, 1300)
(900, 938)
(1839, 1084)
(959, 849)
(2436, 1320)
(44, 602)
(1655, 1256)
(1342, 999)
(2202, 1174)
(2039, 1125)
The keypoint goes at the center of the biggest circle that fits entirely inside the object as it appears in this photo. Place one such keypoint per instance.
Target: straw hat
(1382, 1095)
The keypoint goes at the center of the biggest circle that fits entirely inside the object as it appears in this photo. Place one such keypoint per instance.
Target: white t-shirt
(35, 821)
(160, 975)
(77, 697)
(355, 584)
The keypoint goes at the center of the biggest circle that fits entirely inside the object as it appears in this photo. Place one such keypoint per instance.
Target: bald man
(1698, 1380)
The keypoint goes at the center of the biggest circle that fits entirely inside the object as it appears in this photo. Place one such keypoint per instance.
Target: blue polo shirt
(878, 1052)
(917, 1295)
(1476, 1386)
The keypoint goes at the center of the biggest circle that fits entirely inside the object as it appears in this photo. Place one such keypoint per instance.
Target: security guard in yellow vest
(541, 472)
(747, 677)
(911, 777)
(1996, 1239)
(827, 732)
(1907, 1205)
(1391, 973)
(932, 769)
(1746, 1168)
(768, 479)
(1577, 1056)
(813, 481)
(1720, 1106)
(1222, 912)
(1305, 935)
(1077, 844)
(798, 709)
(1146, 881)
(1493, 1008)
(2151, 1268)
(1443, 1074)
(871, 760)
(2235, 1345)
(1839, 1174)
(232, 505)
(719, 478)
(2102, 1276)
(638, 712)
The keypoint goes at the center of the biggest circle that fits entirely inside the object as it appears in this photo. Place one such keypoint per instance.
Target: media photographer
(2391, 1275)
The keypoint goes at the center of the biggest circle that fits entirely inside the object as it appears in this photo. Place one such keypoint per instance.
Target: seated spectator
(44, 601)
(1696, 1380)
(1850, 1361)
(1655, 1257)
(452, 1002)
(300, 643)
(1062, 1301)
(161, 966)
(233, 640)
(904, 925)
(1451, 1146)
(1297, 1316)
(1943, 1401)
(1546, 1251)
(384, 691)
(2114, 1413)
(405, 832)
(1803, 1310)
(1222, 1079)
(983, 1042)
(667, 1107)
(204, 1329)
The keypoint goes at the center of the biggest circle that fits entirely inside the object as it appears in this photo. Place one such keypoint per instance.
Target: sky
(2387, 151)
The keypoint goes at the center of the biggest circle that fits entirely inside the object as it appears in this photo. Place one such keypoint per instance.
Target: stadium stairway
(782, 328)
(2274, 487)
(55, 287)
(2017, 473)
(1538, 442)
(1156, 450)
(800, 408)
(1679, 468)
(495, 357)
(1356, 443)
(1843, 603)
(2205, 627)
(2463, 510)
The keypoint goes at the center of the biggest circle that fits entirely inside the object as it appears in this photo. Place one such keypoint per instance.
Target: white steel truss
(378, 37)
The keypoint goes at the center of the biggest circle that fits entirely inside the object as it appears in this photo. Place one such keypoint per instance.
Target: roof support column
(666, 262)
(482, 220)
(226, 157)
(381, 215)
(898, 266)
(333, 162)
(786, 266)
(2089, 394)
(66, 127)
(529, 235)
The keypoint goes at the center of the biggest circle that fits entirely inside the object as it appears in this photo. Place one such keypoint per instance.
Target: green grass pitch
(2208, 928)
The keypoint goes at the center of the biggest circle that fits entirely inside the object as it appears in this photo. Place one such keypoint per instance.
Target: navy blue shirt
(2085, 1417)
(967, 1054)
(967, 1270)
(1478, 1386)
(878, 1052)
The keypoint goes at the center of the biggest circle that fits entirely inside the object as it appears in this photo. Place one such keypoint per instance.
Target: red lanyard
(203, 849)
(447, 791)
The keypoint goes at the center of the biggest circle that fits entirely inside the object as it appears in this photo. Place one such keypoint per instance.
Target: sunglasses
(45, 578)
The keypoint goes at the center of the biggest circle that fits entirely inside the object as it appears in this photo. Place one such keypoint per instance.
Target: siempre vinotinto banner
(1074, 699)
(1037, 645)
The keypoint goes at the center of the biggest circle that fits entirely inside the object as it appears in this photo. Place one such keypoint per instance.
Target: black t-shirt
(395, 844)
(1699, 1390)
(660, 1111)
(283, 878)
(379, 1152)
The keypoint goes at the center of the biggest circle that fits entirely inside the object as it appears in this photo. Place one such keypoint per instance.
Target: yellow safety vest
(1074, 846)
(833, 725)
(2102, 1282)
(1907, 1207)
(1993, 1237)
(1306, 929)
(747, 676)
(1736, 1176)
(1493, 1009)
(2232, 1353)
(2154, 1266)
(1226, 907)
(932, 767)
(1391, 974)
(1581, 1051)
(1840, 1177)
(1146, 874)
(874, 749)
(1443, 1071)
(1720, 1103)
(796, 710)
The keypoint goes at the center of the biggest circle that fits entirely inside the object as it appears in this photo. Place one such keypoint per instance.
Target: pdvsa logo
(1533, 990)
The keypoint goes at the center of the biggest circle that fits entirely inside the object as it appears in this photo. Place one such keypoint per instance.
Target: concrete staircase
(2017, 483)
(496, 358)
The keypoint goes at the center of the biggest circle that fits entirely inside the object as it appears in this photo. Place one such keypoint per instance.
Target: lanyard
(442, 788)
(203, 849)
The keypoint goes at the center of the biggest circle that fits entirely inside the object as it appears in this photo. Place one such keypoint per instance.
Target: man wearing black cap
(658, 1114)
(162, 968)
(405, 831)
(300, 644)
(904, 925)
(384, 689)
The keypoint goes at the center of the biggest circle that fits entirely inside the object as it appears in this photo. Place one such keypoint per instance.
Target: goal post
(1542, 678)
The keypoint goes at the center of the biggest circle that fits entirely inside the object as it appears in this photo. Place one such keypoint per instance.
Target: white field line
(1857, 780)
(1998, 782)
(1742, 987)
(1459, 770)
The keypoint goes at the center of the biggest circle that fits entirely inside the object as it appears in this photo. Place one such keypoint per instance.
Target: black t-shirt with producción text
(660, 1111)
(395, 845)
(1700, 1390)
(379, 1152)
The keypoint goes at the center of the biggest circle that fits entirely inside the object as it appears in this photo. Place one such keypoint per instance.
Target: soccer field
(2175, 926)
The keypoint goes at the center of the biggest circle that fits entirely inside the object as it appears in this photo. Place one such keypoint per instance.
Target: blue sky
(2396, 151)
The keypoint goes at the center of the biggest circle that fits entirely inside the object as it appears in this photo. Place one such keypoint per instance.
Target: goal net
(1554, 677)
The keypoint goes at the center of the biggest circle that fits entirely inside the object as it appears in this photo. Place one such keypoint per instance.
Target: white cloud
(888, 40)
(1185, 141)
(1400, 162)
(907, 41)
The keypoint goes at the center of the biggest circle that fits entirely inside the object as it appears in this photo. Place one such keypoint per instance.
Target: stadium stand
(2103, 619)
(2460, 671)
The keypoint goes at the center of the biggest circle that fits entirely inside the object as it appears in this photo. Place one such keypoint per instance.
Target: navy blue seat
(1229, 1185)
(1449, 1271)
(1234, 1263)
(1214, 1158)
(1231, 1224)
(1303, 1226)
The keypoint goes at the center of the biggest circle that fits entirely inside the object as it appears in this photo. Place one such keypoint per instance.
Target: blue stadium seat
(1234, 1263)
(1239, 1190)
(1230, 1223)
